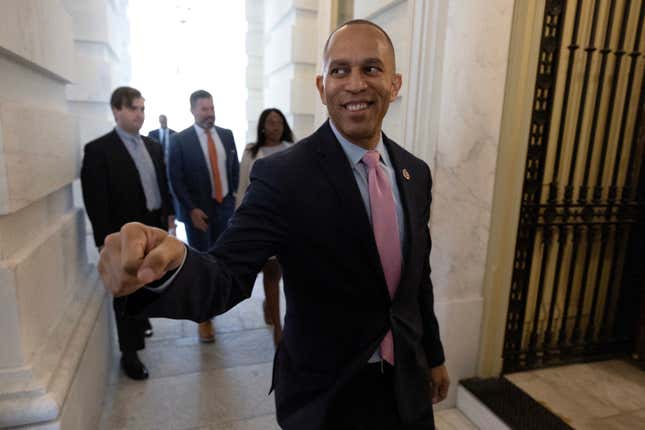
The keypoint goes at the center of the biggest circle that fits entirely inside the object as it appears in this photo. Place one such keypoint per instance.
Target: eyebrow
(344, 61)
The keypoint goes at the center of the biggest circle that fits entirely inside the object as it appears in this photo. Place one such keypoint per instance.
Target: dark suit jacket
(112, 188)
(154, 134)
(188, 172)
(304, 206)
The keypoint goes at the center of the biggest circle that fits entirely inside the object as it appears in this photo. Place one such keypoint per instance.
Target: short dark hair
(124, 96)
(199, 94)
(360, 21)
(287, 134)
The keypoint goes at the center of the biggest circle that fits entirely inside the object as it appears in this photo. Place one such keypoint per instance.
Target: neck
(270, 142)
(368, 143)
(132, 132)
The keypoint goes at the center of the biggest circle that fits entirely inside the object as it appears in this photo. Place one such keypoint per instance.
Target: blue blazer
(304, 206)
(188, 173)
(154, 134)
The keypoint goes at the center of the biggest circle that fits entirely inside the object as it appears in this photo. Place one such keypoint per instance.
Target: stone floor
(608, 395)
(219, 386)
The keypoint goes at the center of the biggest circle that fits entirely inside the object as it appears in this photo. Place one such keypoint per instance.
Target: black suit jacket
(304, 206)
(112, 188)
(190, 180)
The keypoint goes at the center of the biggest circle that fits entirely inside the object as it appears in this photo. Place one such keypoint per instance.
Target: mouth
(357, 106)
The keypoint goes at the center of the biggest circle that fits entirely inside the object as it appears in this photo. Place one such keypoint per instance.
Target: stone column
(53, 311)
(290, 55)
(255, 65)
(101, 35)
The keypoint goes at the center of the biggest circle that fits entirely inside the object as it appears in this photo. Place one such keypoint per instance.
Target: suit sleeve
(211, 283)
(94, 183)
(176, 174)
(431, 339)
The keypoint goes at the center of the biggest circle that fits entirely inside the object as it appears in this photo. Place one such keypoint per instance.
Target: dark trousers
(367, 402)
(217, 223)
(130, 330)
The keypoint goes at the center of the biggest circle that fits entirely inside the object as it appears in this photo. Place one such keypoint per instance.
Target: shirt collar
(125, 136)
(202, 131)
(356, 153)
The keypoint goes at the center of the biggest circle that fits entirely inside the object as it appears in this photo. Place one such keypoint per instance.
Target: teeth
(356, 106)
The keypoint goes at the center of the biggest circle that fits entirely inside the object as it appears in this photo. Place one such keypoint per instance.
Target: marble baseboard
(482, 417)
(65, 379)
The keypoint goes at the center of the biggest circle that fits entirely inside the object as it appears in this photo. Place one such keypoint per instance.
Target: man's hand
(439, 383)
(136, 256)
(199, 219)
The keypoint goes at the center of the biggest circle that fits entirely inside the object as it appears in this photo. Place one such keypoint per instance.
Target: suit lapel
(338, 170)
(196, 151)
(405, 184)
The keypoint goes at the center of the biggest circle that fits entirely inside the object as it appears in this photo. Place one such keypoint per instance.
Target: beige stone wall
(290, 57)
(59, 60)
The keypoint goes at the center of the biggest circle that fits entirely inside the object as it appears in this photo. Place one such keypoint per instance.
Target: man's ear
(321, 89)
(397, 80)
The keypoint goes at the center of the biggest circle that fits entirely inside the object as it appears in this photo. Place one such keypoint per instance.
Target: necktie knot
(371, 159)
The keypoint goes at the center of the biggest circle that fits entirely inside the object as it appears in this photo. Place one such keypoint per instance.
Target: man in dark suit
(124, 179)
(346, 212)
(204, 171)
(162, 134)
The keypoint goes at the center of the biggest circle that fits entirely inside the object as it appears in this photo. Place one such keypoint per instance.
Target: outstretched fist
(137, 256)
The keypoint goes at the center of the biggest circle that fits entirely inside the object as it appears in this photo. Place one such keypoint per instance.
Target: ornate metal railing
(579, 203)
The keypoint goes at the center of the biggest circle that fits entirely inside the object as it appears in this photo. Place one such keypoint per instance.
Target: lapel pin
(406, 174)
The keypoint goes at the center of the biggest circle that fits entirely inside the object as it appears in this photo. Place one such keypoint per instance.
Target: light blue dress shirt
(355, 154)
(146, 168)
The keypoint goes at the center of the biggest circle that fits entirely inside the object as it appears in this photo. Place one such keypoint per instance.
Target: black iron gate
(571, 288)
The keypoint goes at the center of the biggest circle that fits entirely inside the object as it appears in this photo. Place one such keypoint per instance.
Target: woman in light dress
(273, 135)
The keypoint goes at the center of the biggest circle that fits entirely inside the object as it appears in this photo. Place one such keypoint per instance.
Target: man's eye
(338, 71)
(372, 69)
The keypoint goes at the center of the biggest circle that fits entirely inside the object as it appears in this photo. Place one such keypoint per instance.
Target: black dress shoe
(148, 333)
(133, 367)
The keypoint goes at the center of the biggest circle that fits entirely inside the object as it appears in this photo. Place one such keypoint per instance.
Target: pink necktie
(386, 234)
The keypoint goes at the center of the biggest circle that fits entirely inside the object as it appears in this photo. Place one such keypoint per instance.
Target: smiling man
(346, 212)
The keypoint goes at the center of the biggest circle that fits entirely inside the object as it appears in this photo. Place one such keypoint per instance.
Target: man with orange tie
(203, 170)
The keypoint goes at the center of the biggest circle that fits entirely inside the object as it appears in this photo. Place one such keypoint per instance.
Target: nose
(356, 83)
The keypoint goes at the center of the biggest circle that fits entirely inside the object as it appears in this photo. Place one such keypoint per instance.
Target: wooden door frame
(526, 33)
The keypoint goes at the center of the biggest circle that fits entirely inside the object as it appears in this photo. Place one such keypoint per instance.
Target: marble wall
(53, 61)
(449, 113)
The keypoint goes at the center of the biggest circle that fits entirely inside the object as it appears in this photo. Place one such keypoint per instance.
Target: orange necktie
(212, 156)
